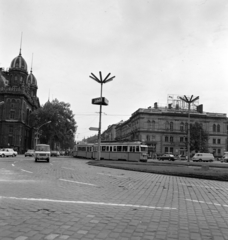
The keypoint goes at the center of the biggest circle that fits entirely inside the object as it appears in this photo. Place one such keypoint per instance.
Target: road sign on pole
(94, 129)
(100, 101)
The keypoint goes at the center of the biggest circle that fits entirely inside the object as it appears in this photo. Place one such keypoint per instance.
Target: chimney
(200, 108)
(155, 105)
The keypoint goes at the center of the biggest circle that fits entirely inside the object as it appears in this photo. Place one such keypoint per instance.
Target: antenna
(32, 62)
(21, 43)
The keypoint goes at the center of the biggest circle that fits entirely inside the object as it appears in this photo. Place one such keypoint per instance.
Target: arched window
(171, 126)
(214, 128)
(218, 128)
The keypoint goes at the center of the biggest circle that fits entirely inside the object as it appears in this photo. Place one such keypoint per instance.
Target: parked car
(55, 153)
(183, 157)
(29, 153)
(224, 157)
(203, 157)
(166, 156)
(8, 152)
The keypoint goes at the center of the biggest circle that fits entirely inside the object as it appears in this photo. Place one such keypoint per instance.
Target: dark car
(29, 153)
(55, 153)
(169, 157)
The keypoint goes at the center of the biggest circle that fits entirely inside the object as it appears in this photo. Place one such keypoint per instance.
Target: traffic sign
(93, 129)
(100, 101)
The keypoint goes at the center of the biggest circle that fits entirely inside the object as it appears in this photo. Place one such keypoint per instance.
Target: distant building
(18, 91)
(110, 133)
(163, 129)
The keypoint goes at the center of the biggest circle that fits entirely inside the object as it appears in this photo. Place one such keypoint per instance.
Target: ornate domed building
(18, 98)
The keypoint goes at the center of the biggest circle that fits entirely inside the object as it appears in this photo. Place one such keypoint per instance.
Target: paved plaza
(68, 199)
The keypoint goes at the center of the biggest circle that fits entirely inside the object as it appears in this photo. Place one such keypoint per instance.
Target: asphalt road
(68, 199)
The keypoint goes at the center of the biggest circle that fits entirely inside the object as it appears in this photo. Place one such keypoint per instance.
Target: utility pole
(189, 101)
(100, 101)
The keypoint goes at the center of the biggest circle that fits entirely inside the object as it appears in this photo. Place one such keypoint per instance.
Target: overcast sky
(153, 47)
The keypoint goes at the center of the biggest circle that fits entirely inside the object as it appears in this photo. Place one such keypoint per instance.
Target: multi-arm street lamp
(189, 101)
(100, 102)
(37, 131)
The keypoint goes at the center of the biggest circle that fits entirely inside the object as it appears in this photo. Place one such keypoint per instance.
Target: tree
(62, 127)
(198, 138)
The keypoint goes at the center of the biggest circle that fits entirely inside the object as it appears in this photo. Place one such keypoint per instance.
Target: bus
(127, 151)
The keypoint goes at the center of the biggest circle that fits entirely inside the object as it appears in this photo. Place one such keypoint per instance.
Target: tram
(128, 151)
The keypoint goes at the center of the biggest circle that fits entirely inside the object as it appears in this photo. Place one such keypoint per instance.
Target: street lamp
(101, 81)
(189, 101)
(37, 131)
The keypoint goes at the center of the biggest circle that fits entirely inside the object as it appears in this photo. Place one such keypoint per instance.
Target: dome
(19, 63)
(31, 80)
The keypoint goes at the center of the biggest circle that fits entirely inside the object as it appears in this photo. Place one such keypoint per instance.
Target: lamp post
(101, 81)
(37, 131)
(189, 101)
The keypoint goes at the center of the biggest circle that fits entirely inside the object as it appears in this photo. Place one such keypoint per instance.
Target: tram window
(119, 148)
(132, 148)
(110, 148)
(143, 149)
(137, 148)
(103, 148)
(124, 148)
(114, 148)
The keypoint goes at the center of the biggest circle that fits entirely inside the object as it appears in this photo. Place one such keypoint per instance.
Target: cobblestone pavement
(68, 199)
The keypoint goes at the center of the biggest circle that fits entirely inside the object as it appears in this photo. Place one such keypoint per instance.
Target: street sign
(100, 101)
(93, 129)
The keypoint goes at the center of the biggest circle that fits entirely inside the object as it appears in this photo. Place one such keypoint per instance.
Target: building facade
(18, 94)
(164, 129)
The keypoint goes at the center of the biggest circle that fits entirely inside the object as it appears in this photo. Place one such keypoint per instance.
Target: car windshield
(43, 148)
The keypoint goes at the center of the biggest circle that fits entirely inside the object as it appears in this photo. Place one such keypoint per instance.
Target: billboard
(174, 101)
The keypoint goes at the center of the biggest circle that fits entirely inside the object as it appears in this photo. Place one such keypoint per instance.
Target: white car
(8, 152)
(203, 157)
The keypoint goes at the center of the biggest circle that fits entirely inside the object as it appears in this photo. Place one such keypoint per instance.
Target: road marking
(68, 168)
(77, 182)
(112, 175)
(210, 203)
(88, 203)
(26, 171)
(13, 165)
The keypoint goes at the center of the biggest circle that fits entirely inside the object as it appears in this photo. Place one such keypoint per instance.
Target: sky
(153, 48)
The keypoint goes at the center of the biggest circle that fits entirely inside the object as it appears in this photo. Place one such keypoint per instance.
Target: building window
(171, 139)
(186, 127)
(148, 138)
(10, 140)
(171, 149)
(182, 127)
(12, 114)
(214, 141)
(214, 128)
(153, 125)
(218, 128)
(10, 129)
(219, 151)
(171, 126)
(166, 139)
(219, 141)
(166, 149)
(181, 139)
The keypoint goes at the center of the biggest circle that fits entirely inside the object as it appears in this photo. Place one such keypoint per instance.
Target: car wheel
(48, 160)
(35, 159)
(3, 155)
